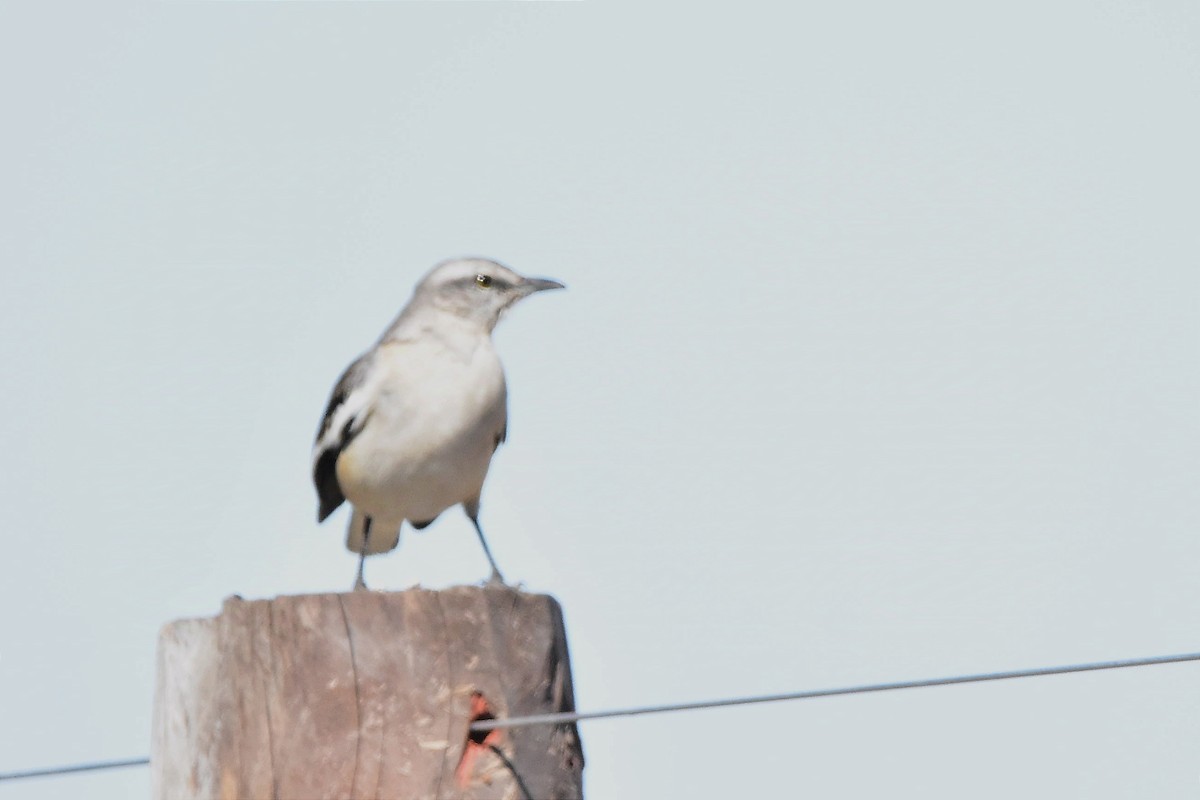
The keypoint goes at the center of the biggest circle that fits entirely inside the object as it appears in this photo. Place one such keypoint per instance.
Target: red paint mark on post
(478, 742)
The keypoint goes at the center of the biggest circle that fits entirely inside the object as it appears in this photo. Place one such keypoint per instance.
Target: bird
(411, 425)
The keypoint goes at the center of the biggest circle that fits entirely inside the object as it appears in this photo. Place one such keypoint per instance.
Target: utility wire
(576, 716)
(512, 771)
(41, 773)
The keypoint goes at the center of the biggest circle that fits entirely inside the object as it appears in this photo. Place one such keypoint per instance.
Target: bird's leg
(359, 583)
(496, 576)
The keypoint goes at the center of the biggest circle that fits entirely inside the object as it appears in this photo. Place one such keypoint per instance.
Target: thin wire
(41, 773)
(513, 771)
(575, 716)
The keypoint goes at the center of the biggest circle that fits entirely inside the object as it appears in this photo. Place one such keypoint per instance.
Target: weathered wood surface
(365, 695)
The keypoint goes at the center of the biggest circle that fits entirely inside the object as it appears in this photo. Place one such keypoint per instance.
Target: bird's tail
(381, 540)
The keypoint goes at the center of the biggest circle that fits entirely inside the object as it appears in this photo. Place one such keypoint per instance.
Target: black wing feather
(329, 492)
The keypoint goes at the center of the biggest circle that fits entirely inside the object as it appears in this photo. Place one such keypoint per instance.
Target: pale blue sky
(878, 361)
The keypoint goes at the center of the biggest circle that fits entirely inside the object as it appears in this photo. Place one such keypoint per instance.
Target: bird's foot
(360, 585)
(497, 579)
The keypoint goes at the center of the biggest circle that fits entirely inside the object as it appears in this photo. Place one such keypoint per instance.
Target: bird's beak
(531, 285)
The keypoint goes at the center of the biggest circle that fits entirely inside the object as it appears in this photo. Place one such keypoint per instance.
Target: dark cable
(516, 775)
(41, 773)
(576, 716)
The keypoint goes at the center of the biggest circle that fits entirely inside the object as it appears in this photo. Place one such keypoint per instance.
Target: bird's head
(477, 289)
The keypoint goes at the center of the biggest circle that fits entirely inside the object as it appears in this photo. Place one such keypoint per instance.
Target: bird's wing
(345, 416)
(502, 435)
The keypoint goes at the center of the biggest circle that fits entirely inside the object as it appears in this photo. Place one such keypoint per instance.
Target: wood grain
(365, 695)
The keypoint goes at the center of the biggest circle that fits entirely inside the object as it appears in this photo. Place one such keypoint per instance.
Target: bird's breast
(432, 429)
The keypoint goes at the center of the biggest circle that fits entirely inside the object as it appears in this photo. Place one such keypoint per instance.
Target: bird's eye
(483, 281)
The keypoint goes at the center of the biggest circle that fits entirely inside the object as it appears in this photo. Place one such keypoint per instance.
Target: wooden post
(366, 695)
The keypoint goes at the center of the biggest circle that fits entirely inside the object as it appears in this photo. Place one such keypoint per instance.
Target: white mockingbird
(412, 424)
